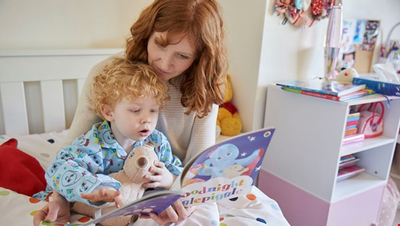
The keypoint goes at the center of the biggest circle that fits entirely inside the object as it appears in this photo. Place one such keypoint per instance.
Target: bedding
(254, 208)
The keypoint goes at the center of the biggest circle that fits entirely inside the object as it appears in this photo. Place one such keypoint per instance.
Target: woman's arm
(203, 134)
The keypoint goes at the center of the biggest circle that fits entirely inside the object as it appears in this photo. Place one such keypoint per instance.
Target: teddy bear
(131, 176)
(228, 120)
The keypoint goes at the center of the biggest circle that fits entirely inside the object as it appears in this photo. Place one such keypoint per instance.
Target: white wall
(262, 50)
(245, 22)
(46, 24)
(288, 52)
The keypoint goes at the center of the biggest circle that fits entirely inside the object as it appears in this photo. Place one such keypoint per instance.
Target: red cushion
(19, 171)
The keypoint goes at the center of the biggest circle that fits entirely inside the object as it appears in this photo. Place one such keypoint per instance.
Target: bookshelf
(301, 164)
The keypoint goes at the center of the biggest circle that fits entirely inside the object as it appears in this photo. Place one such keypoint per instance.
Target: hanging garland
(303, 13)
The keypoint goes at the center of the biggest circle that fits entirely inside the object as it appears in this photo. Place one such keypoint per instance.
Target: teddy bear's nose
(142, 162)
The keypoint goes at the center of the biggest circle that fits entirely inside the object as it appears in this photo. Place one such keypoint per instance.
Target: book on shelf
(349, 163)
(349, 132)
(320, 86)
(351, 127)
(352, 122)
(386, 88)
(225, 170)
(347, 158)
(353, 138)
(346, 97)
(348, 172)
(353, 116)
(357, 94)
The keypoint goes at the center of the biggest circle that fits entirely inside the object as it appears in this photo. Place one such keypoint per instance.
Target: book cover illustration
(225, 170)
(319, 86)
(386, 88)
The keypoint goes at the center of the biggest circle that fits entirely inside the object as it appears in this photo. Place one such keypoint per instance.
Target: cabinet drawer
(361, 209)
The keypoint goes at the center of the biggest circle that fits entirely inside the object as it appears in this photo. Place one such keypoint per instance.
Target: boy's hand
(160, 177)
(56, 210)
(105, 194)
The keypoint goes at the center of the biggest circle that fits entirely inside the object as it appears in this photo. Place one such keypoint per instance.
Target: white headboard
(39, 89)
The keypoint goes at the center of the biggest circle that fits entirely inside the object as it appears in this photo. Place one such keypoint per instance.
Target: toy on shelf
(347, 75)
(228, 121)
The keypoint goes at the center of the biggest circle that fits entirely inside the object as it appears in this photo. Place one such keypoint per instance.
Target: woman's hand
(173, 214)
(54, 211)
(105, 194)
(161, 177)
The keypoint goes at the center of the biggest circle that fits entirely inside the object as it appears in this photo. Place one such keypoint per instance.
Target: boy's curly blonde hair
(123, 78)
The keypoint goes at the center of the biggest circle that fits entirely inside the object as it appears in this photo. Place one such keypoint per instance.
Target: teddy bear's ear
(11, 142)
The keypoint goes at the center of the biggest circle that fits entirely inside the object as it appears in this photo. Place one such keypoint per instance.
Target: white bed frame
(39, 89)
(39, 93)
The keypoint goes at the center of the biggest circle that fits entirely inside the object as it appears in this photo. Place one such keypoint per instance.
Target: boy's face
(135, 119)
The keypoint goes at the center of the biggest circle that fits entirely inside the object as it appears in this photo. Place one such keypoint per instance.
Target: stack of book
(332, 91)
(351, 135)
(351, 124)
(348, 167)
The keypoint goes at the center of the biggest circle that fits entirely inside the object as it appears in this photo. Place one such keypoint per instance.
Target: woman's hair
(203, 83)
(123, 78)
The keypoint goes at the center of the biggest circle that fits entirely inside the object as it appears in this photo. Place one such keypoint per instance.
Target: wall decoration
(303, 13)
(358, 44)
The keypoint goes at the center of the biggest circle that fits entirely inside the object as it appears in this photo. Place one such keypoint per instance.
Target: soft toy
(131, 176)
(228, 121)
(19, 171)
(347, 75)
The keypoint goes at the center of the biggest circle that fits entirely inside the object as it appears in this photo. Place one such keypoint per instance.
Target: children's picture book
(348, 163)
(348, 172)
(320, 86)
(351, 123)
(386, 88)
(226, 170)
(353, 138)
(353, 117)
(347, 158)
(346, 97)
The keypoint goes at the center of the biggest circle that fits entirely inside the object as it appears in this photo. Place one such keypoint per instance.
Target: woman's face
(172, 60)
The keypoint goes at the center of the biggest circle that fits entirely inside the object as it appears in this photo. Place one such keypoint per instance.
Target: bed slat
(27, 102)
(14, 108)
(80, 83)
(53, 105)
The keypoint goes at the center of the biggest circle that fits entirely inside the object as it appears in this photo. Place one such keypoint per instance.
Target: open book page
(154, 201)
(225, 170)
